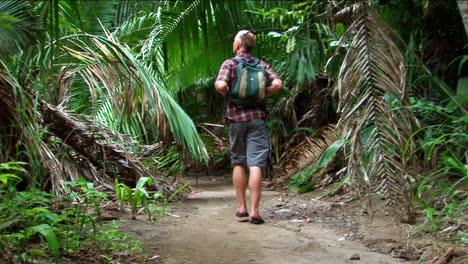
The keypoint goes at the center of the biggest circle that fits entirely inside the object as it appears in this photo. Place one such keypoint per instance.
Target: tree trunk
(463, 7)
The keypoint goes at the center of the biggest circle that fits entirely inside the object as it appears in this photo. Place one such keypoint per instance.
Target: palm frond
(19, 26)
(374, 69)
(306, 153)
(61, 146)
(193, 38)
(24, 129)
(133, 87)
(137, 28)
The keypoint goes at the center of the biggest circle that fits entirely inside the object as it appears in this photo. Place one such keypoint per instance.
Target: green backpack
(250, 85)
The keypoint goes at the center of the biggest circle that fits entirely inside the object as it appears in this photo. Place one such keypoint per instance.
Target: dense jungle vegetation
(117, 98)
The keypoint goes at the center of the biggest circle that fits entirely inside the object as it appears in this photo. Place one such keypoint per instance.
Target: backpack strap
(241, 61)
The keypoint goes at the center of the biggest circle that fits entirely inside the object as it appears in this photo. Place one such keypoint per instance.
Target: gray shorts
(249, 143)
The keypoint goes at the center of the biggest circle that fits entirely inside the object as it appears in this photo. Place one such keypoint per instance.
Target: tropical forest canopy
(374, 101)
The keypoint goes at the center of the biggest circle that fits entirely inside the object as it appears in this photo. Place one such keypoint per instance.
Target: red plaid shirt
(227, 73)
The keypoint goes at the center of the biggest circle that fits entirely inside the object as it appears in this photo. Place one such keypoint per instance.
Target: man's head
(244, 40)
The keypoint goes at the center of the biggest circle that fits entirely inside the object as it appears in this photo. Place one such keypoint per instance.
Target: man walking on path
(248, 135)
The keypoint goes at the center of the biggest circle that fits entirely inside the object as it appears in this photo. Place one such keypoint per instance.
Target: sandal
(256, 221)
(239, 214)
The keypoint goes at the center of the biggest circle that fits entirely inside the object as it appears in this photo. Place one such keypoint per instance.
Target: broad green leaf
(462, 62)
(142, 181)
(309, 186)
(4, 17)
(49, 234)
(4, 177)
(339, 28)
(10, 166)
(462, 89)
(329, 153)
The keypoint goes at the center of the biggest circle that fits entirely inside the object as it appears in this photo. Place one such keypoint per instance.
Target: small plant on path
(136, 197)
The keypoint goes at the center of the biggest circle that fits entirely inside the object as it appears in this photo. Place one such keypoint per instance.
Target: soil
(298, 229)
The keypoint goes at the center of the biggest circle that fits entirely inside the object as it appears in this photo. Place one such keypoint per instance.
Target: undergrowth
(36, 226)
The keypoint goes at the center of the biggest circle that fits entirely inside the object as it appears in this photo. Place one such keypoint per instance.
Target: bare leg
(255, 186)
(239, 179)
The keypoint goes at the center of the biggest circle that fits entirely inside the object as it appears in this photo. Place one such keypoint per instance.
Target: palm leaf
(19, 26)
(135, 88)
(186, 30)
(25, 129)
(306, 153)
(77, 148)
(374, 68)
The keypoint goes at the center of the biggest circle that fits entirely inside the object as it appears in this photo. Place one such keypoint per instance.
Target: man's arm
(275, 86)
(222, 87)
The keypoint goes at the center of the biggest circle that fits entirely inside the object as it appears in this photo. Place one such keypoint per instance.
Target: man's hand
(222, 87)
(275, 86)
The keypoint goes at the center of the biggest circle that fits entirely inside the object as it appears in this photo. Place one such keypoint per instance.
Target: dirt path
(203, 229)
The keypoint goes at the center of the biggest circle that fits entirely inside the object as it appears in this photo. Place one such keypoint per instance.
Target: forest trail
(203, 229)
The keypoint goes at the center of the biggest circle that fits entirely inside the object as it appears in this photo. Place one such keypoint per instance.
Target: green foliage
(330, 153)
(301, 177)
(46, 231)
(177, 191)
(19, 27)
(443, 196)
(301, 180)
(23, 216)
(441, 192)
(83, 190)
(7, 178)
(131, 64)
(114, 240)
(171, 161)
(119, 191)
(137, 197)
(308, 187)
(28, 217)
